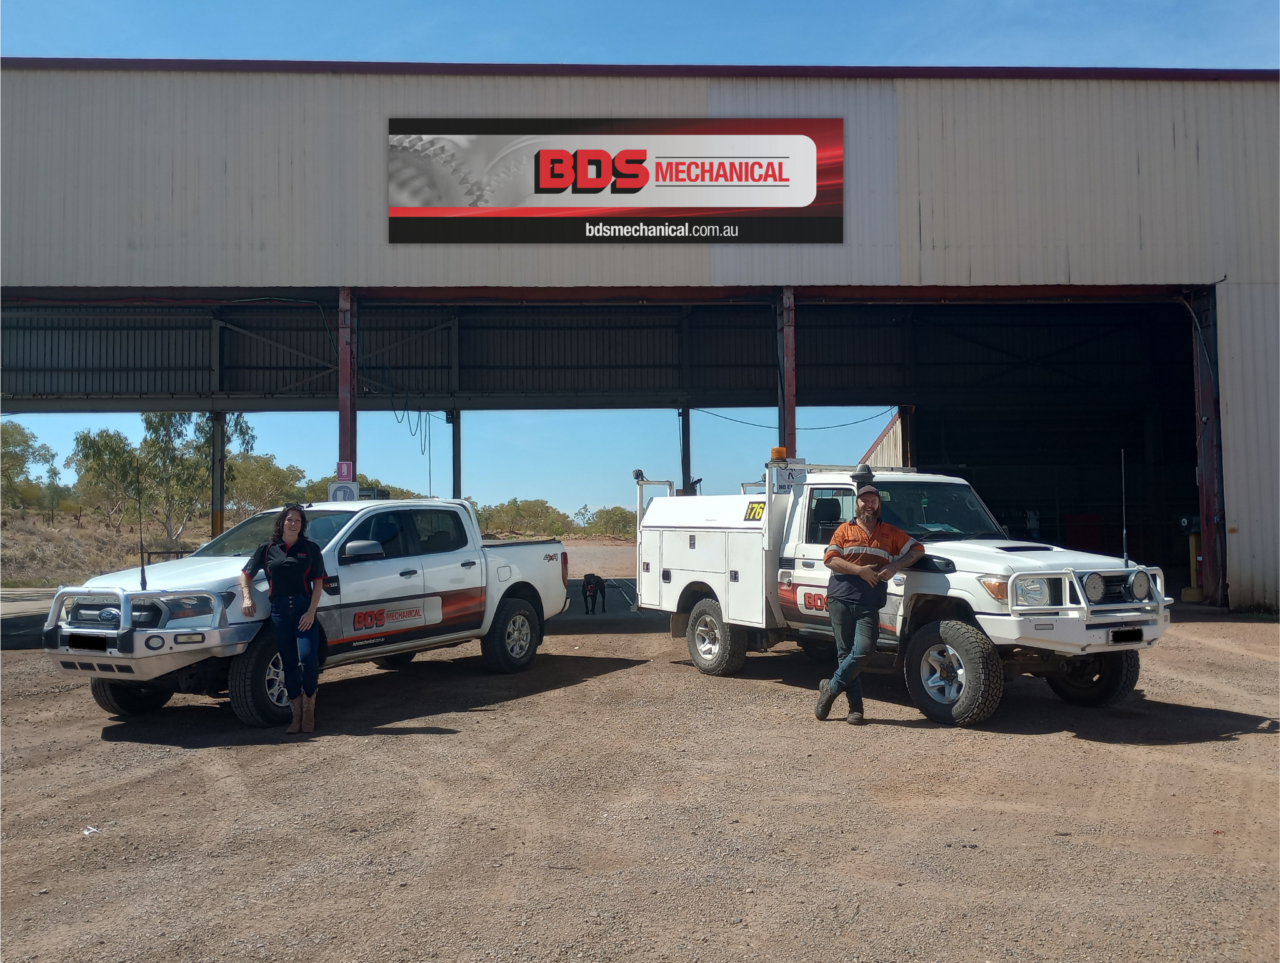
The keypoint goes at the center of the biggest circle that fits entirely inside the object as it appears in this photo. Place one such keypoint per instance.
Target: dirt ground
(613, 804)
(606, 557)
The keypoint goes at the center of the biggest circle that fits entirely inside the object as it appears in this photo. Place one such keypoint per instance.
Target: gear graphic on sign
(426, 171)
(509, 184)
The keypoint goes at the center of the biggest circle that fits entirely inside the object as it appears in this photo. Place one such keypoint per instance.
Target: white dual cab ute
(745, 572)
(403, 576)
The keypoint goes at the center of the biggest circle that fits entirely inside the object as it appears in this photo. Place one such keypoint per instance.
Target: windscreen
(252, 532)
(926, 510)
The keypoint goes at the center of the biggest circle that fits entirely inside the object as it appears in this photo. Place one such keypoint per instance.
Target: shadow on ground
(619, 620)
(1030, 708)
(372, 704)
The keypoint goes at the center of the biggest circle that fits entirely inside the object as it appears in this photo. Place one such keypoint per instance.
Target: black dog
(592, 586)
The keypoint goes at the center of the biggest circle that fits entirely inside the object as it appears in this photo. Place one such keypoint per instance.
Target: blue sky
(572, 458)
(1136, 33)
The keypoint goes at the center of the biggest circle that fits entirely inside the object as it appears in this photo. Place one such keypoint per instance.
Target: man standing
(862, 558)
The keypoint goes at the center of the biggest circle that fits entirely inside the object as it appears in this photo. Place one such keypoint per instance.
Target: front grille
(1115, 589)
(88, 611)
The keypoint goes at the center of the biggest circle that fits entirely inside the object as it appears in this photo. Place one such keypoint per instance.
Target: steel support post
(346, 381)
(787, 372)
(217, 501)
(686, 466)
(455, 419)
(907, 426)
(1213, 541)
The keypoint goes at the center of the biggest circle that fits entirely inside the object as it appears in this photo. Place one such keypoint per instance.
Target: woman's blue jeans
(856, 627)
(296, 646)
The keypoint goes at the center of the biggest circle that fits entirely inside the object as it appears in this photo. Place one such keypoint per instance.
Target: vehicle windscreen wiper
(965, 538)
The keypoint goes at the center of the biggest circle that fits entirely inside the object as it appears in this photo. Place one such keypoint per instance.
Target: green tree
(528, 517)
(53, 493)
(257, 482)
(109, 471)
(616, 521)
(318, 490)
(19, 451)
(177, 460)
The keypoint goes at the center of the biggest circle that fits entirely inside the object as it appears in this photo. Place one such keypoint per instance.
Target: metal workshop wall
(153, 178)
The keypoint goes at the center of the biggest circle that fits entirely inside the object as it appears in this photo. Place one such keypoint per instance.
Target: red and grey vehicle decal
(807, 605)
(370, 624)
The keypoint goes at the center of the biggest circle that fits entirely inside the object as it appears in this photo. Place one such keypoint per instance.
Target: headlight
(1139, 586)
(997, 586)
(1032, 592)
(188, 611)
(1094, 587)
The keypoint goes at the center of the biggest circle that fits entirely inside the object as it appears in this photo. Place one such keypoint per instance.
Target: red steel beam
(346, 381)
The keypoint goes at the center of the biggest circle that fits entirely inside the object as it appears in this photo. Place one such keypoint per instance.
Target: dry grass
(35, 554)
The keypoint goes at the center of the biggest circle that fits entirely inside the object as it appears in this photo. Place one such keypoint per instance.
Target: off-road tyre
(397, 660)
(960, 644)
(256, 683)
(715, 647)
(1100, 680)
(121, 699)
(822, 653)
(513, 639)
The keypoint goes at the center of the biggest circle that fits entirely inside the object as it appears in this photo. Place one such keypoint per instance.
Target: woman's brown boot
(309, 711)
(296, 706)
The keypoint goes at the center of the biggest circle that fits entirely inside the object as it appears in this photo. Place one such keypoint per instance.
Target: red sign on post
(344, 472)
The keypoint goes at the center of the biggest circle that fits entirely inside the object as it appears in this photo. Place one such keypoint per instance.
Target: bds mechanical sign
(756, 181)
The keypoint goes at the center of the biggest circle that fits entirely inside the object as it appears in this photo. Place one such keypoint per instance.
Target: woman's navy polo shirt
(291, 570)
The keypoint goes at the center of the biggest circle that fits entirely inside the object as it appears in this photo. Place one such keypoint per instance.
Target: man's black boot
(825, 698)
(856, 716)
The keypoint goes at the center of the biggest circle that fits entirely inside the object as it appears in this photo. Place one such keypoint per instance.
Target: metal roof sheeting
(1096, 182)
(1249, 369)
(187, 178)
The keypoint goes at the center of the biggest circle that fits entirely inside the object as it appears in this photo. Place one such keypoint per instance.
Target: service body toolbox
(745, 572)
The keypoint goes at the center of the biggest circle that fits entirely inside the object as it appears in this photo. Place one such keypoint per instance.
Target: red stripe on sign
(816, 209)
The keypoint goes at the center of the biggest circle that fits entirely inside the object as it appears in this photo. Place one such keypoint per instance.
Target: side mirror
(362, 551)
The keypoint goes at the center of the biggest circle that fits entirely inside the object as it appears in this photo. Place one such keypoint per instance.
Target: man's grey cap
(868, 489)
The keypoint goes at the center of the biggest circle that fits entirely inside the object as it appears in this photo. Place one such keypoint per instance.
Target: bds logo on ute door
(370, 620)
(813, 601)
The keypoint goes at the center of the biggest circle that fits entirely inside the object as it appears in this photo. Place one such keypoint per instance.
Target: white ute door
(825, 511)
(453, 571)
(377, 593)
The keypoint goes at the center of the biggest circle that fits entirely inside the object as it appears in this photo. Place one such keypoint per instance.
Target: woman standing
(295, 573)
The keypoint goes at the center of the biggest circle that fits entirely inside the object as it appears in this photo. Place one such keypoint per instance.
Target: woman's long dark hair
(277, 533)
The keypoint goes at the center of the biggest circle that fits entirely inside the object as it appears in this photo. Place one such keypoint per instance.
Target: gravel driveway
(613, 804)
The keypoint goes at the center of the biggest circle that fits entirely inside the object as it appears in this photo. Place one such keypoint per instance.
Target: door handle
(407, 572)
(468, 564)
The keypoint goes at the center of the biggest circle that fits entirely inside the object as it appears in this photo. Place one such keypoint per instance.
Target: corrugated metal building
(207, 180)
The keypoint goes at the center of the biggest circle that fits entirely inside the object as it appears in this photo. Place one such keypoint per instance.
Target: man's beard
(869, 516)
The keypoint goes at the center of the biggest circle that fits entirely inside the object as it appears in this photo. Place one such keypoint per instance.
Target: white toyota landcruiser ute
(404, 576)
(745, 572)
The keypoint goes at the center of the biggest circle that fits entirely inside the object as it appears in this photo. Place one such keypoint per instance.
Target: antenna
(1124, 517)
(142, 555)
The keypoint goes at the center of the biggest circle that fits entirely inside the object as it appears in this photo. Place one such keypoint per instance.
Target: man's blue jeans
(856, 627)
(295, 646)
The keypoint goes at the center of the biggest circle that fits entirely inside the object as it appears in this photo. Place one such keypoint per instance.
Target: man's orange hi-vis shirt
(883, 545)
